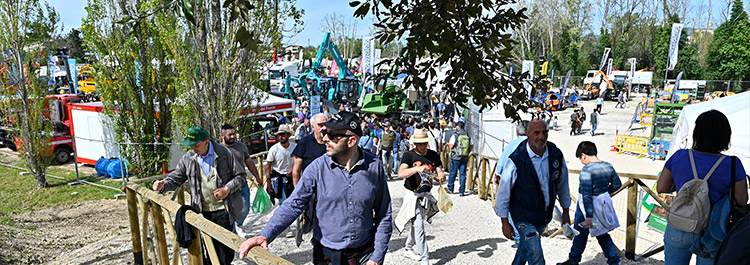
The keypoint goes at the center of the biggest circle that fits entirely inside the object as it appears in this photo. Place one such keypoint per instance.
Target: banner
(564, 89)
(609, 67)
(73, 74)
(314, 105)
(674, 44)
(604, 58)
(527, 66)
(675, 97)
(51, 71)
(376, 59)
(632, 67)
(368, 55)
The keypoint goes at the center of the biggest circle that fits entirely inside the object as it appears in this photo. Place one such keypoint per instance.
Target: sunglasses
(332, 135)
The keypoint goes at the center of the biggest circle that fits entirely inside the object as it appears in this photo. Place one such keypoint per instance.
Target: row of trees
(639, 29)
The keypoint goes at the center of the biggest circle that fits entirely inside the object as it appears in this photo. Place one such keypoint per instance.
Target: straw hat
(284, 129)
(420, 136)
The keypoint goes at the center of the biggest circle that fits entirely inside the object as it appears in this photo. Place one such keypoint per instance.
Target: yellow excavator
(595, 90)
(86, 81)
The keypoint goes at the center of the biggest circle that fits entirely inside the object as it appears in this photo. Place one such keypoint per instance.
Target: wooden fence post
(144, 228)
(470, 172)
(135, 234)
(630, 231)
(160, 237)
(195, 253)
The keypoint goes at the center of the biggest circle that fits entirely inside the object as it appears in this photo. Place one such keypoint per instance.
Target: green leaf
(362, 10)
(227, 3)
(354, 3)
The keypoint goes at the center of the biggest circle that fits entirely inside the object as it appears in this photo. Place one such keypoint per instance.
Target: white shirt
(541, 166)
(281, 157)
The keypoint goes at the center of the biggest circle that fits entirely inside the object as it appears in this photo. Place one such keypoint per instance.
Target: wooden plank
(483, 180)
(652, 194)
(144, 228)
(470, 172)
(160, 238)
(232, 240)
(173, 235)
(623, 175)
(149, 179)
(210, 248)
(195, 252)
(632, 218)
(624, 186)
(135, 234)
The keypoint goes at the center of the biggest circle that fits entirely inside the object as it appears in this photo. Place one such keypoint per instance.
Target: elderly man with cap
(418, 168)
(214, 180)
(353, 212)
(279, 165)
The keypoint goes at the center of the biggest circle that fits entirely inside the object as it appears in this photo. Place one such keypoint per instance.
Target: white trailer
(277, 75)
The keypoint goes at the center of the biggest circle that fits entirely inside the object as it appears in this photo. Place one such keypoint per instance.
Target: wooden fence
(480, 175)
(159, 208)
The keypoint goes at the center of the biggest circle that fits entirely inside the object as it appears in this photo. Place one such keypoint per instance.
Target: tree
(729, 55)
(135, 78)
(473, 37)
(217, 79)
(74, 42)
(24, 101)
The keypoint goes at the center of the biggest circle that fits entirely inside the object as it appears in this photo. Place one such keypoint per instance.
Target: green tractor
(389, 100)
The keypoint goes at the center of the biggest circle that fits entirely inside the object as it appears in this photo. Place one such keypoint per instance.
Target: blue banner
(73, 74)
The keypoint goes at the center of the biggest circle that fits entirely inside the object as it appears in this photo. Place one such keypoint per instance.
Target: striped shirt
(597, 178)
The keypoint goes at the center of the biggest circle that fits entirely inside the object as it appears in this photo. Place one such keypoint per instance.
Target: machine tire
(62, 155)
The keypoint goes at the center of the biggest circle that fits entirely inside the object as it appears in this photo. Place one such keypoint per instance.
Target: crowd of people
(330, 173)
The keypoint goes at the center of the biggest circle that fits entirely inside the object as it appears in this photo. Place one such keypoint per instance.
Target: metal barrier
(650, 121)
(636, 145)
(159, 207)
(658, 148)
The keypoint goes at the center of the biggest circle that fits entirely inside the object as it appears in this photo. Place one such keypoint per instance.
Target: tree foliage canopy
(729, 53)
(472, 37)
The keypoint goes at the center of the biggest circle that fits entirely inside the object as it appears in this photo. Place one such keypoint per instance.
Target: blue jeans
(278, 190)
(530, 248)
(460, 167)
(396, 160)
(245, 194)
(677, 247)
(579, 243)
(593, 128)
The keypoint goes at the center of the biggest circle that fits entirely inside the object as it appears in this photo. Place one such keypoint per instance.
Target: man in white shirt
(279, 165)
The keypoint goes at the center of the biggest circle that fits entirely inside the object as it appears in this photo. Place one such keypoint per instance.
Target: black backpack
(736, 248)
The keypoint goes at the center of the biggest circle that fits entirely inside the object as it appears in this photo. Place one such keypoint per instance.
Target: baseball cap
(344, 120)
(194, 135)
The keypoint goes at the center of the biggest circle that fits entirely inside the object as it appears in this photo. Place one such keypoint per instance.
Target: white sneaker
(410, 254)
(290, 234)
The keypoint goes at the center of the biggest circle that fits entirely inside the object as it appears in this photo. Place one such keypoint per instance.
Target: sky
(72, 11)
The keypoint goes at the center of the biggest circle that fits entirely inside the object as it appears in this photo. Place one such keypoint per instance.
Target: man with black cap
(354, 205)
(214, 180)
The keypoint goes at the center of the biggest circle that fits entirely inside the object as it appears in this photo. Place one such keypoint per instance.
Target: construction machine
(337, 90)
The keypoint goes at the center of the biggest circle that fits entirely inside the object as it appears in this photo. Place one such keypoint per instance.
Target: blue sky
(72, 11)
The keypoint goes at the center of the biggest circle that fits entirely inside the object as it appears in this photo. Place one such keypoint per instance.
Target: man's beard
(284, 141)
(229, 141)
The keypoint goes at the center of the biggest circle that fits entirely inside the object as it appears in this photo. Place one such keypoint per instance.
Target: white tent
(737, 110)
(271, 104)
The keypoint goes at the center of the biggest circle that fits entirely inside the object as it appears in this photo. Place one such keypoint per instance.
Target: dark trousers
(225, 254)
(350, 256)
(574, 127)
(599, 108)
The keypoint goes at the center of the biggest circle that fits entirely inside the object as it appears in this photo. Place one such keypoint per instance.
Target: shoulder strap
(708, 175)
(731, 184)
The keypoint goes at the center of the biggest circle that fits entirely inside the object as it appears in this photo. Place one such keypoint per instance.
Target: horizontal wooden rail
(233, 241)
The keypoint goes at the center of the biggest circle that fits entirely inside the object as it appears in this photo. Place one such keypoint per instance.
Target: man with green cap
(214, 180)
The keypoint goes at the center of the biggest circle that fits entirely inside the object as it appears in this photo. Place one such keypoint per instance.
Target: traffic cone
(614, 148)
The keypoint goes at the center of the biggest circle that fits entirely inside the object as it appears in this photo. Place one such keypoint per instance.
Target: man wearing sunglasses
(354, 204)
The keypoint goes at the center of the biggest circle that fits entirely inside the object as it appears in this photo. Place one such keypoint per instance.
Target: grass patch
(8, 222)
(18, 193)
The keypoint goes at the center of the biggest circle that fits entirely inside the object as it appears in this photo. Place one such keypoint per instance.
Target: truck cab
(277, 75)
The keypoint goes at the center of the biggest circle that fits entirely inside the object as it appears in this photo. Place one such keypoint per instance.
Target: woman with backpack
(690, 172)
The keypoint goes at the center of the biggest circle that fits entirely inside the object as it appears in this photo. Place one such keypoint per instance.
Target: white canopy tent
(271, 104)
(737, 110)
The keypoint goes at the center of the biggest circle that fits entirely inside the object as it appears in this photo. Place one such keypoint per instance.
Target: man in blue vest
(532, 177)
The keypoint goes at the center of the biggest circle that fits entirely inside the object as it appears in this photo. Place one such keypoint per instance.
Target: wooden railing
(159, 207)
(480, 175)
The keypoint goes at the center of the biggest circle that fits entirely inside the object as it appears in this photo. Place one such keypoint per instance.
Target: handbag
(737, 211)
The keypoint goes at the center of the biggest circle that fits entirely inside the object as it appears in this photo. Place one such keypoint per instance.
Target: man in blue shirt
(532, 177)
(354, 205)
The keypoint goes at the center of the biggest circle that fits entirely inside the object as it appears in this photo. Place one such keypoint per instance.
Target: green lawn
(18, 193)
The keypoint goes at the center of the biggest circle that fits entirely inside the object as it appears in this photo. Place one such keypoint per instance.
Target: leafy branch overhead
(473, 37)
(186, 8)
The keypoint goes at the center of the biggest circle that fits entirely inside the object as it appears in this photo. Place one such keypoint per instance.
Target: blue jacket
(527, 202)
(707, 245)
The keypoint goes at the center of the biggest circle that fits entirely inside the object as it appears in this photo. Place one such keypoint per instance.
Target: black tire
(62, 155)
